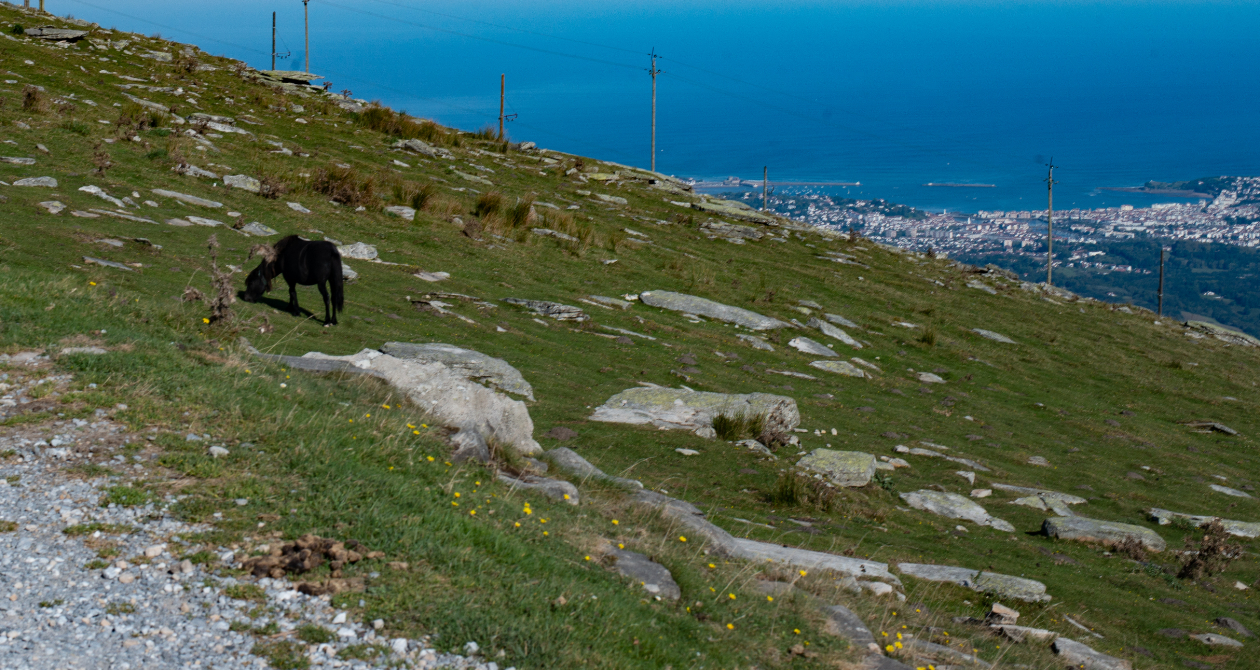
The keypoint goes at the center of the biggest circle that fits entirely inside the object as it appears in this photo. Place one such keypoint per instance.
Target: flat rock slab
(405, 213)
(556, 489)
(990, 335)
(1239, 528)
(756, 342)
(1231, 624)
(258, 230)
(552, 310)
(922, 649)
(243, 182)
(1005, 586)
(471, 364)
(918, 451)
(1107, 533)
(1054, 505)
(954, 506)
(808, 346)
(839, 367)
(105, 263)
(842, 468)
(690, 304)
(1082, 656)
(684, 409)
(1216, 640)
(185, 198)
(46, 182)
(610, 302)
(1228, 491)
(358, 251)
(1041, 493)
(652, 576)
(833, 332)
(11, 160)
(1021, 633)
(450, 398)
(842, 622)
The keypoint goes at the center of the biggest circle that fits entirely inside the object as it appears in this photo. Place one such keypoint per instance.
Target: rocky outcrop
(954, 506)
(684, 409)
(1004, 586)
(690, 304)
(471, 364)
(1106, 533)
(1239, 528)
(556, 489)
(841, 468)
(552, 310)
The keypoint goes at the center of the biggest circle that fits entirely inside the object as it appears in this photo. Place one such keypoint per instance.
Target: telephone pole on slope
(765, 188)
(1050, 182)
(653, 71)
(1160, 311)
(306, 15)
(273, 40)
(502, 95)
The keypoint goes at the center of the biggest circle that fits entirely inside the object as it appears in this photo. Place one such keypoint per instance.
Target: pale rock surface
(471, 364)
(1107, 533)
(841, 468)
(839, 367)
(954, 506)
(833, 332)
(1005, 586)
(1239, 528)
(684, 409)
(808, 346)
(690, 304)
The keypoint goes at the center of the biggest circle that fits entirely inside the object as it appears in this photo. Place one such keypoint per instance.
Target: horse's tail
(336, 283)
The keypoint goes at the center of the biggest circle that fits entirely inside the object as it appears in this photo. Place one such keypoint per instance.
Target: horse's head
(258, 282)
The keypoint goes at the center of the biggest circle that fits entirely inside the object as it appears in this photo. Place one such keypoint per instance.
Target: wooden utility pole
(653, 71)
(41, 5)
(1160, 311)
(1050, 182)
(502, 95)
(306, 14)
(765, 188)
(273, 40)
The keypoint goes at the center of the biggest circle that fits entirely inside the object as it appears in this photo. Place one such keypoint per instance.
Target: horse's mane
(284, 242)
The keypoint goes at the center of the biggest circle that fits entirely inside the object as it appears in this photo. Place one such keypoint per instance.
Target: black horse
(301, 262)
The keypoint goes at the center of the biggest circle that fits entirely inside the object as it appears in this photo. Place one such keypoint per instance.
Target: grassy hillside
(1096, 392)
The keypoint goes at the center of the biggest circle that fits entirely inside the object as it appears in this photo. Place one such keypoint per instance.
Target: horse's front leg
(293, 303)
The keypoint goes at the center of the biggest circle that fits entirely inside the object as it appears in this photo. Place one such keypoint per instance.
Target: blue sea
(890, 94)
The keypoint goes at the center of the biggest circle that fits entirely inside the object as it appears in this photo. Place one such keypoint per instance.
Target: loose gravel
(85, 586)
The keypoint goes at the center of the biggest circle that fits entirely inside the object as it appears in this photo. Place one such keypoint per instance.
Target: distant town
(1231, 217)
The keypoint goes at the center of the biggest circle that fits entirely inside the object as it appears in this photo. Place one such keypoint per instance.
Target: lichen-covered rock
(842, 468)
(258, 230)
(839, 367)
(953, 506)
(1078, 655)
(552, 310)
(690, 304)
(1005, 586)
(684, 409)
(831, 331)
(1107, 533)
(808, 346)
(471, 364)
(358, 251)
(1239, 528)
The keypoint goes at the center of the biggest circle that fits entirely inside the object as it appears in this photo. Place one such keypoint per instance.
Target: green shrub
(17, 29)
(488, 204)
(76, 127)
(282, 654)
(8, 526)
(313, 634)
(929, 336)
(246, 592)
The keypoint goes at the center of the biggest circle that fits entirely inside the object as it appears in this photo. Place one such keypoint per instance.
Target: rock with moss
(1078, 655)
(1004, 586)
(1239, 528)
(472, 364)
(690, 304)
(954, 506)
(834, 332)
(839, 367)
(841, 468)
(684, 409)
(1106, 533)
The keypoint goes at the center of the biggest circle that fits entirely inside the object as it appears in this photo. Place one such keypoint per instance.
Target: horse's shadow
(278, 305)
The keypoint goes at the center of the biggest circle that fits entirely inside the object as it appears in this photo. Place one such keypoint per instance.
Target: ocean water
(889, 94)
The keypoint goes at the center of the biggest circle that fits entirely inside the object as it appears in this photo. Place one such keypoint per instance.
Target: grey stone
(1021, 633)
(839, 367)
(1000, 614)
(1216, 640)
(553, 310)
(17, 161)
(612, 199)
(53, 206)
(841, 321)
(929, 378)
(432, 276)
(556, 489)
(258, 230)
(108, 264)
(808, 346)
(347, 273)
(977, 284)
(610, 302)
(547, 232)
(358, 251)
(1107, 533)
(1228, 491)
(1041, 493)
(756, 342)
(243, 182)
(218, 452)
(831, 331)
(471, 364)
(1039, 461)
(1081, 656)
(83, 350)
(924, 649)
(1005, 586)
(996, 337)
(1234, 625)
(652, 576)
(56, 34)
(185, 198)
(917, 451)
(190, 170)
(568, 460)
(421, 147)
(47, 182)
(732, 209)
(201, 221)
(730, 231)
(842, 622)
(1211, 426)
(1239, 528)
(684, 409)
(842, 468)
(755, 446)
(953, 506)
(689, 304)
(405, 213)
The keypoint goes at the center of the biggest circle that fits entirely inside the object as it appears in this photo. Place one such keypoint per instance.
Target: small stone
(53, 206)
(126, 578)
(340, 618)
(378, 624)
(688, 452)
(1135, 476)
(1217, 640)
(1038, 460)
(154, 551)
(929, 378)
(218, 452)
(1241, 586)
(399, 645)
(1235, 626)
(1000, 614)
(297, 207)
(969, 476)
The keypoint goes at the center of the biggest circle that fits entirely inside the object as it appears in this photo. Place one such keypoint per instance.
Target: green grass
(8, 526)
(96, 526)
(246, 592)
(125, 496)
(116, 608)
(314, 634)
(1089, 389)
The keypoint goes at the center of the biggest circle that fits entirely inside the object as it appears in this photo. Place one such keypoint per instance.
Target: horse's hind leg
(330, 316)
(293, 303)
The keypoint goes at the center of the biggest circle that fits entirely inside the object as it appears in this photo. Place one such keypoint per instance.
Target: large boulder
(954, 506)
(1107, 533)
(1077, 655)
(471, 364)
(684, 409)
(1005, 586)
(690, 304)
(449, 397)
(1239, 528)
(842, 468)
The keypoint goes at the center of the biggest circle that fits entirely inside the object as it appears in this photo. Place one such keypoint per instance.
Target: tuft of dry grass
(347, 186)
(34, 100)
